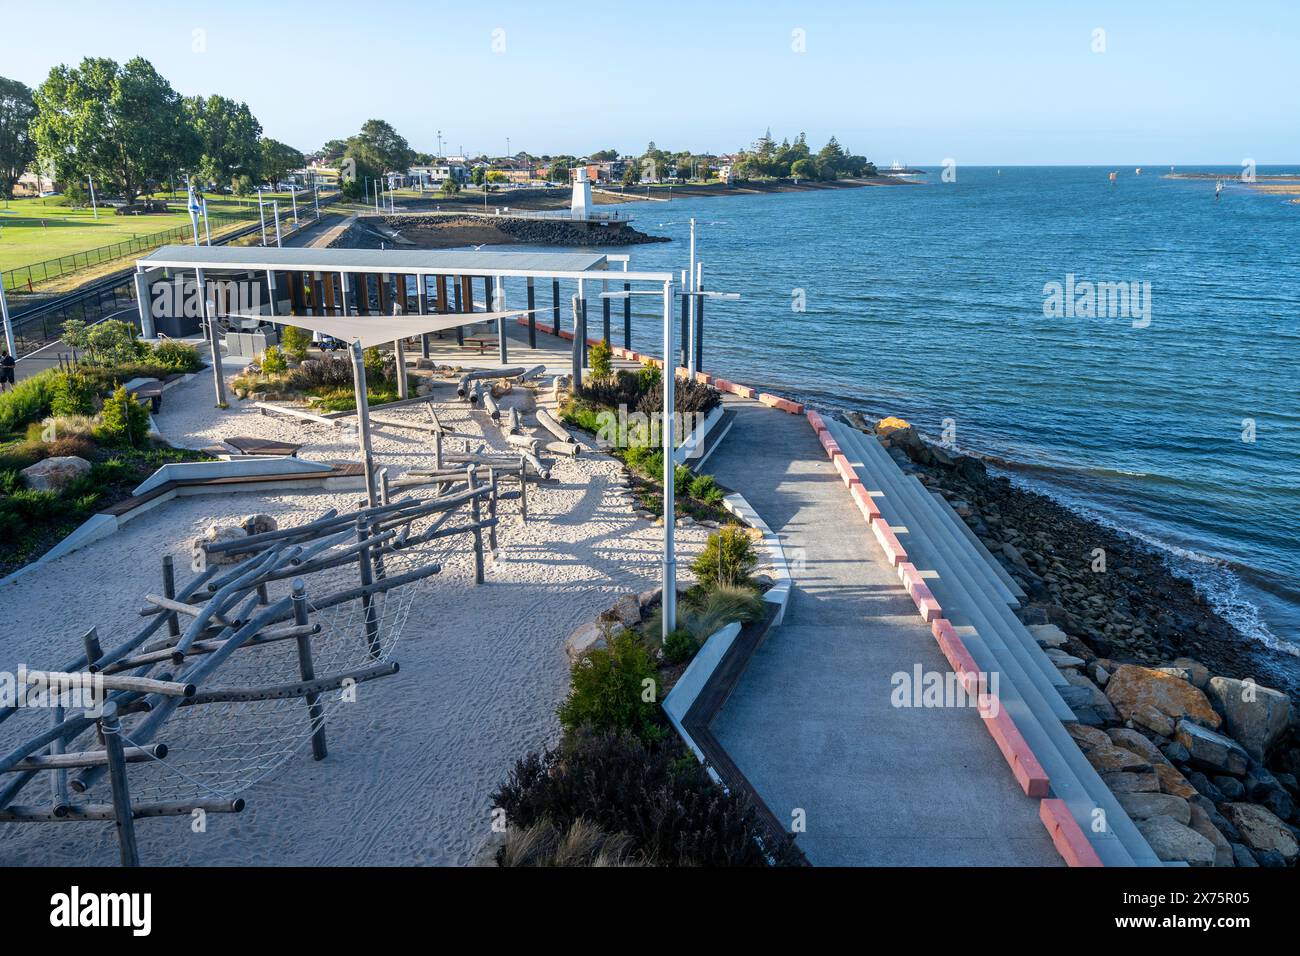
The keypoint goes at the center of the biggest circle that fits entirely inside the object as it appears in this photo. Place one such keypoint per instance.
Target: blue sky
(995, 83)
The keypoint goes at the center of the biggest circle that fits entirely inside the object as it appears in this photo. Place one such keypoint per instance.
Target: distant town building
(435, 174)
(33, 183)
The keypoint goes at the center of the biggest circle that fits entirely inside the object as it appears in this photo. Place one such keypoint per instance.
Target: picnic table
(482, 343)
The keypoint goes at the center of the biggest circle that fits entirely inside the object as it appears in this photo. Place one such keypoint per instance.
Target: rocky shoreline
(1202, 757)
(443, 231)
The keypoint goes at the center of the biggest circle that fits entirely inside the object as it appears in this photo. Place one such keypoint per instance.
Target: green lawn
(32, 230)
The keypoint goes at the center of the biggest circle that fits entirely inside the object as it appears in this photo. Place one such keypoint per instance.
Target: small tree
(295, 341)
(601, 358)
(728, 558)
(124, 421)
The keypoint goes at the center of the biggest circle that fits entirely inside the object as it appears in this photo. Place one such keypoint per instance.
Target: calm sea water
(927, 302)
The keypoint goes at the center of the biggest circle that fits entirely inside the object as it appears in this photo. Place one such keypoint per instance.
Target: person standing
(7, 364)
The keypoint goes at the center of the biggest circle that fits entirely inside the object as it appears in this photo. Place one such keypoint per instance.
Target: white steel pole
(93, 205)
(275, 211)
(293, 194)
(670, 555)
(690, 310)
(207, 225)
(261, 214)
(9, 326)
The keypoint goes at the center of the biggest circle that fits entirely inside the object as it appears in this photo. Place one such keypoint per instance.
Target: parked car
(328, 343)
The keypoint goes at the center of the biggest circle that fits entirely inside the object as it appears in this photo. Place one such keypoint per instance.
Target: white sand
(413, 763)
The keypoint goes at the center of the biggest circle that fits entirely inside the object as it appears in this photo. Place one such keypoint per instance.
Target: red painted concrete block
(866, 504)
(847, 474)
(888, 543)
(1066, 834)
(831, 445)
(704, 377)
(954, 650)
(785, 405)
(1025, 767)
(920, 592)
(816, 422)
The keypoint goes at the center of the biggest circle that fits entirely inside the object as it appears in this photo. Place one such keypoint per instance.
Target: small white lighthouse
(581, 205)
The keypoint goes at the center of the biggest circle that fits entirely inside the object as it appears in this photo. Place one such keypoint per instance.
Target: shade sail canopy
(376, 329)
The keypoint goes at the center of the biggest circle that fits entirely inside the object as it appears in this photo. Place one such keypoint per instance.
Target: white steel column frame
(663, 284)
(670, 547)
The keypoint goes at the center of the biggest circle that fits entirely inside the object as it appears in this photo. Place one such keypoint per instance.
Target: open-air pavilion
(364, 297)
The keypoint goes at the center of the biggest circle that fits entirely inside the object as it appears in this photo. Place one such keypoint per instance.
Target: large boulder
(1255, 716)
(1171, 781)
(1203, 825)
(1143, 806)
(1175, 843)
(218, 533)
(1121, 770)
(626, 611)
(1262, 831)
(52, 474)
(590, 637)
(1158, 701)
(259, 524)
(1211, 749)
(1086, 699)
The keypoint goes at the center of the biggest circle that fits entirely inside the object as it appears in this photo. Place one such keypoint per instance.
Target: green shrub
(726, 604)
(681, 480)
(705, 488)
(124, 421)
(680, 646)
(20, 455)
(728, 558)
(328, 372)
(623, 387)
(610, 690)
(649, 376)
(380, 366)
(663, 801)
(273, 361)
(687, 397)
(28, 401)
(177, 356)
(601, 358)
(345, 399)
(296, 342)
(74, 394)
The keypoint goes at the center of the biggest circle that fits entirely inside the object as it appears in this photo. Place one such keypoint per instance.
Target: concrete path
(811, 723)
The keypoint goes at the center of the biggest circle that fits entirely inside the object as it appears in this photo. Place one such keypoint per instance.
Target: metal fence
(28, 276)
(42, 325)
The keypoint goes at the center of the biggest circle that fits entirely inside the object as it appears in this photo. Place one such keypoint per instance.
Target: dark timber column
(605, 306)
(440, 288)
(458, 287)
(583, 334)
(699, 332)
(422, 305)
(555, 307)
(487, 294)
(627, 317)
(328, 281)
(383, 294)
(532, 314)
(361, 295)
(575, 350)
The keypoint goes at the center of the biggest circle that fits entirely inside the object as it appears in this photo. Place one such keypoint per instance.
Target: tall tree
(229, 136)
(123, 125)
(380, 146)
(17, 149)
(278, 160)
